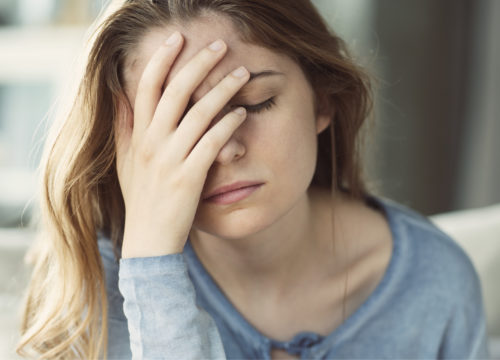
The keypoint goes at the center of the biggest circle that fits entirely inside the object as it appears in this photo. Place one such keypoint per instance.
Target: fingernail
(240, 111)
(173, 39)
(216, 45)
(240, 72)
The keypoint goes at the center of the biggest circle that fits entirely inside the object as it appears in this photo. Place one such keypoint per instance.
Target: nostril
(232, 150)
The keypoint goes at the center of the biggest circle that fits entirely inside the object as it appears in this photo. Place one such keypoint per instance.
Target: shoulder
(437, 281)
(429, 256)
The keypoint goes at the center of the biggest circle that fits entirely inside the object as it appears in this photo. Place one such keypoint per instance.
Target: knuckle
(203, 60)
(176, 178)
(212, 144)
(227, 86)
(172, 92)
(205, 54)
(192, 166)
(187, 178)
(184, 178)
(232, 81)
(145, 151)
(196, 112)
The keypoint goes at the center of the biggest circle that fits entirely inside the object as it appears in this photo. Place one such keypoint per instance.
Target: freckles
(254, 133)
(302, 138)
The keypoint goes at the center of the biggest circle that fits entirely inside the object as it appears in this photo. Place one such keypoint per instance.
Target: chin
(237, 224)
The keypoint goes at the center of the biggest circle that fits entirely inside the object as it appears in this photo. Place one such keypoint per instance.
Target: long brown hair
(65, 313)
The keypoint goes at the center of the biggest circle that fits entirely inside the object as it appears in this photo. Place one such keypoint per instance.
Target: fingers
(204, 153)
(200, 116)
(176, 96)
(151, 82)
(159, 114)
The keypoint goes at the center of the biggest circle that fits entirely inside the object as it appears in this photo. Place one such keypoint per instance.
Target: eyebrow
(264, 73)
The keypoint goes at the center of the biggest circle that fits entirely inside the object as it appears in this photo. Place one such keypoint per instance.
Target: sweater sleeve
(160, 307)
(466, 334)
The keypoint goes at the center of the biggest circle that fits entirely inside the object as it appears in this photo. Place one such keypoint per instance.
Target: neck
(273, 260)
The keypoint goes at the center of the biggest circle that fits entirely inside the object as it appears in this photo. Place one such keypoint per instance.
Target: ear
(322, 122)
(324, 114)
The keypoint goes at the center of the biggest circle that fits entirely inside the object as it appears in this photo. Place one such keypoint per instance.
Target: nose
(232, 150)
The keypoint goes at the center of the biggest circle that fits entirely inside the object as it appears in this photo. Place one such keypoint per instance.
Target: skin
(281, 247)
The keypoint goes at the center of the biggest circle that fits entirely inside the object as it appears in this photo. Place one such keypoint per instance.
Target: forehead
(198, 34)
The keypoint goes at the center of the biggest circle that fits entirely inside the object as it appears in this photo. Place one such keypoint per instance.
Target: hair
(65, 311)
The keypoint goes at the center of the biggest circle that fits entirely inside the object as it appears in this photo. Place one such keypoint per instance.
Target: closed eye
(265, 105)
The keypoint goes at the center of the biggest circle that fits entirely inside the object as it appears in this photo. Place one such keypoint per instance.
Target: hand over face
(163, 162)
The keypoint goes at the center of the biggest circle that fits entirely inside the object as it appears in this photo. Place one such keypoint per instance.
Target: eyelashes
(253, 109)
(257, 108)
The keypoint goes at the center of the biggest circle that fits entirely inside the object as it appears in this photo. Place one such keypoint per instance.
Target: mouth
(234, 195)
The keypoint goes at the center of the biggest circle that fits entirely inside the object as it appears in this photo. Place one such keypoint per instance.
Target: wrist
(149, 245)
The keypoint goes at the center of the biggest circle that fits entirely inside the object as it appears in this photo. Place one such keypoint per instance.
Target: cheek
(302, 149)
(289, 141)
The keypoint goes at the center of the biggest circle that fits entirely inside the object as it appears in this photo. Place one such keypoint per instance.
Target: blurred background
(436, 63)
(434, 146)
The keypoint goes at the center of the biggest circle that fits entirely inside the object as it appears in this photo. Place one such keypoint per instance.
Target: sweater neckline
(306, 344)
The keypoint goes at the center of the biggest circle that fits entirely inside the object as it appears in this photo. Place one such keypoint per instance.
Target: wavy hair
(65, 312)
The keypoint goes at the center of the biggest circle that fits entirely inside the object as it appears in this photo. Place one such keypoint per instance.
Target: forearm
(160, 306)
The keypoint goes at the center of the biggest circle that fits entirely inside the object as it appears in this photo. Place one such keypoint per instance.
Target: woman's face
(275, 145)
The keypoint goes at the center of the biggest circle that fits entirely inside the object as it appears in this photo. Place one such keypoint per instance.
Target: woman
(193, 208)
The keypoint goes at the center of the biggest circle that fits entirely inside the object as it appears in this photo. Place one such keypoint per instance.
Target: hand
(162, 165)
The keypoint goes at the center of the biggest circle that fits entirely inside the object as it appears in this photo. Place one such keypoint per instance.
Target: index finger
(150, 85)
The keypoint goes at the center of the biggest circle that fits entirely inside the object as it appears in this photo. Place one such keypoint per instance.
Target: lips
(232, 187)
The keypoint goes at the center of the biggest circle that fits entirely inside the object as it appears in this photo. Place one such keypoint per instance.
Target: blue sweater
(428, 305)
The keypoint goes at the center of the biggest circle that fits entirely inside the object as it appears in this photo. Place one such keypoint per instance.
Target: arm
(466, 334)
(163, 319)
(162, 158)
(159, 302)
